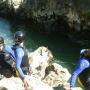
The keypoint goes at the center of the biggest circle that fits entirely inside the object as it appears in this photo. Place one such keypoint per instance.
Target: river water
(65, 51)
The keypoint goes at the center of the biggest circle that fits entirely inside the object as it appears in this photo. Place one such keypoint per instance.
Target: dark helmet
(19, 36)
(1, 40)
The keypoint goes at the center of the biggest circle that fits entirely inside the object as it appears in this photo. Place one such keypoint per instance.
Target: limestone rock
(11, 84)
(41, 58)
(35, 84)
(56, 75)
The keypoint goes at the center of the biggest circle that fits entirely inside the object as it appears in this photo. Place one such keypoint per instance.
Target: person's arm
(19, 56)
(80, 67)
(10, 51)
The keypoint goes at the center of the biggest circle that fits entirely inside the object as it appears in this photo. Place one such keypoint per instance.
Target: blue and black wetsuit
(21, 59)
(5, 67)
(84, 63)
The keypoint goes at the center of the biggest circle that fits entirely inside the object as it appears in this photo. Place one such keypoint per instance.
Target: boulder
(40, 59)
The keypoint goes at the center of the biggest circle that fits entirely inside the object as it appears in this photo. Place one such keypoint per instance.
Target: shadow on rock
(6, 70)
(59, 88)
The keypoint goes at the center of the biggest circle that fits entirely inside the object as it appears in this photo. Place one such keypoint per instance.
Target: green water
(65, 51)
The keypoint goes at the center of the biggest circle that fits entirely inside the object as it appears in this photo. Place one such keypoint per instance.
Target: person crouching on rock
(21, 57)
(5, 60)
(82, 71)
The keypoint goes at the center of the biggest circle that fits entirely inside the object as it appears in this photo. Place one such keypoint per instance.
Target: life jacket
(5, 68)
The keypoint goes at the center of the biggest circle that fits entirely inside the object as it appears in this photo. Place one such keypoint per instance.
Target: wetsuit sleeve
(19, 56)
(10, 51)
(83, 64)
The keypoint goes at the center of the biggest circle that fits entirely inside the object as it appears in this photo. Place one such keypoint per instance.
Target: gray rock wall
(51, 16)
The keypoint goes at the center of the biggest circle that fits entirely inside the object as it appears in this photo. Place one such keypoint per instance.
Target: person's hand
(76, 88)
(26, 81)
(72, 88)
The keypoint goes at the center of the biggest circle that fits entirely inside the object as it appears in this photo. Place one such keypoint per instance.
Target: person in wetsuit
(82, 70)
(5, 67)
(18, 54)
(21, 56)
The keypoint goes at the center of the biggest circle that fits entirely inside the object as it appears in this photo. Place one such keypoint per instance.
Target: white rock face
(40, 58)
(57, 75)
(16, 84)
(35, 84)
(12, 83)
